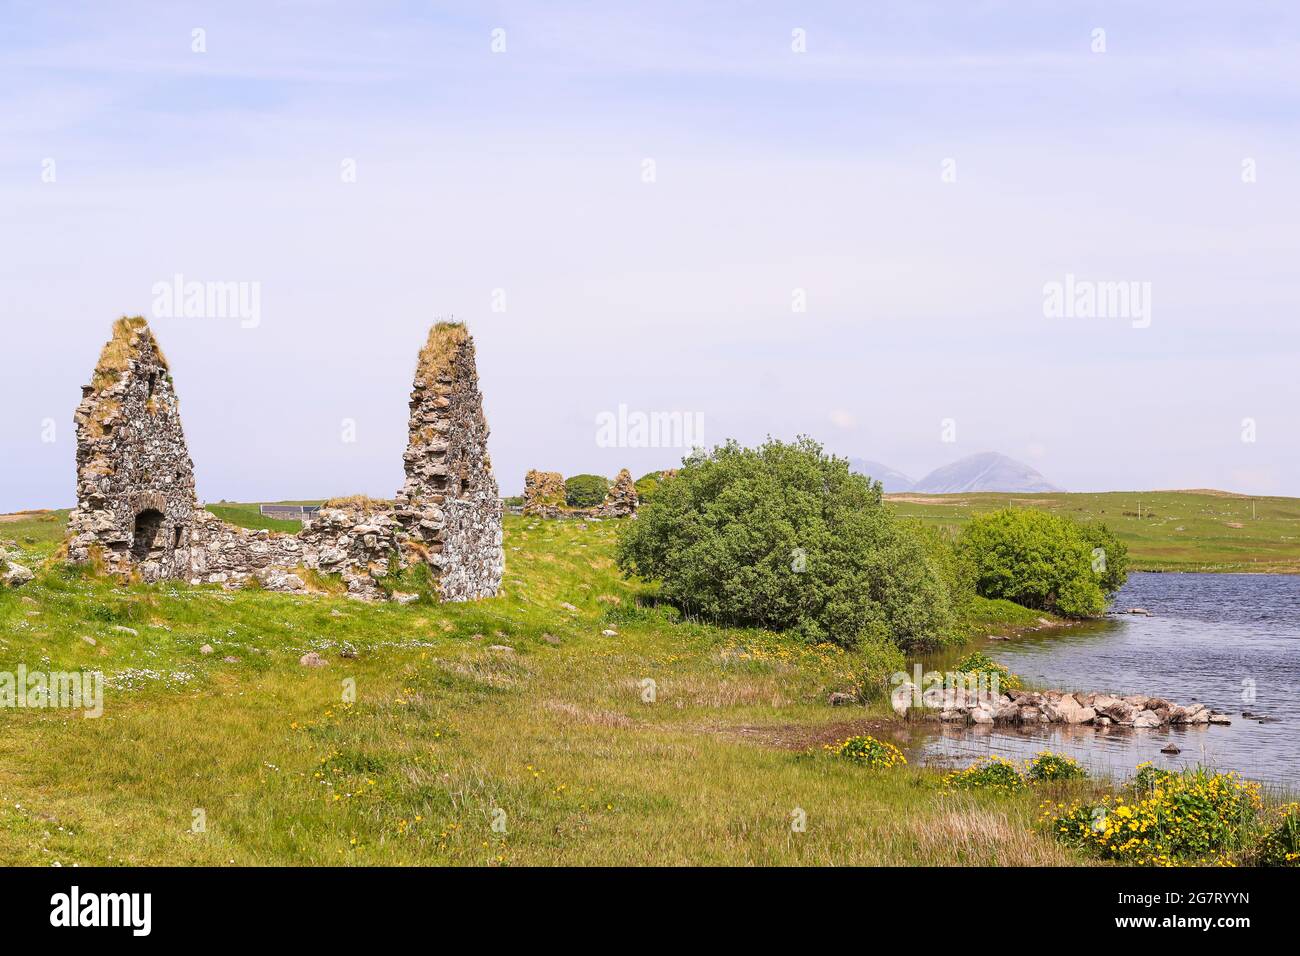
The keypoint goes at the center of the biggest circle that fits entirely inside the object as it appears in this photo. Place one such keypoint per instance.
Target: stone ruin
(135, 479)
(622, 499)
(543, 490)
(137, 512)
(544, 496)
(450, 507)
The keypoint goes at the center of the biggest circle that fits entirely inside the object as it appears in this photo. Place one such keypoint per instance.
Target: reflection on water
(1231, 641)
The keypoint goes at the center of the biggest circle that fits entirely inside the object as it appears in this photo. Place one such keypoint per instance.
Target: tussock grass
(115, 357)
(439, 349)
(363, 503)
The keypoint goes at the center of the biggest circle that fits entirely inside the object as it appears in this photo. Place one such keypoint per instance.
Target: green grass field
(553, 739)
(1164, 530)
(446, 733)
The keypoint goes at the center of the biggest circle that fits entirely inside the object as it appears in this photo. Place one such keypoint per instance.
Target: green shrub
(1042, 561)
(784, 537)
(1048, 766)
(977, 662)
(585, 491)
(867, 751)
(648, 484)
(954, 568)
(1164, 819)
(878, 660)
(1112, 563)
(1281, 845)
(988, 773)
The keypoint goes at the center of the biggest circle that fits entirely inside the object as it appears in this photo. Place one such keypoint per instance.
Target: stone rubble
(959, 705)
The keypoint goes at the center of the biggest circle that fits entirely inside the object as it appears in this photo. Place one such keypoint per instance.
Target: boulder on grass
(15, 575)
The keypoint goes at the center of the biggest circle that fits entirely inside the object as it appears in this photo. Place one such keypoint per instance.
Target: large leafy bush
(648, 484)
(585, 491)
(1044, 561)
(785, 537)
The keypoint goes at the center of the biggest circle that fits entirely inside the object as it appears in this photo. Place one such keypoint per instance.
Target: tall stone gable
(135, 479)
(449, 506)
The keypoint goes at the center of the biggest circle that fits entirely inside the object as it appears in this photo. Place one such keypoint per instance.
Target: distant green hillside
(1177, 530)
(1165, 530)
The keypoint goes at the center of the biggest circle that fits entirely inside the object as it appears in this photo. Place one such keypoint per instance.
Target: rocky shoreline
(1137, 711)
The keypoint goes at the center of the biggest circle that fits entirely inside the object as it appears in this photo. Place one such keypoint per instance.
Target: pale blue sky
(776, 171)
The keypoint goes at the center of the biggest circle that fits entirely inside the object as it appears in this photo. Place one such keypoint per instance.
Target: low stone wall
(351, 543)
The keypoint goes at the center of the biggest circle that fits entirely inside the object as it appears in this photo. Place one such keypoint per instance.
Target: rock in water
(1146, 719)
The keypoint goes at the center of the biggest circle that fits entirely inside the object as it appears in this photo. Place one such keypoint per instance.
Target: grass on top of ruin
(507, 731)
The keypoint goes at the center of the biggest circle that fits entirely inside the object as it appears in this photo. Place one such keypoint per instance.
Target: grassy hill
(520, 704)
(447, 728)
(1164, 530)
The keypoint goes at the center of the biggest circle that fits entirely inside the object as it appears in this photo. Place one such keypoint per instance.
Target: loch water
(1231, 641)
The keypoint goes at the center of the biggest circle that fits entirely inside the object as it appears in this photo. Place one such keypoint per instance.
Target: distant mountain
(988, 471)
(892, 479)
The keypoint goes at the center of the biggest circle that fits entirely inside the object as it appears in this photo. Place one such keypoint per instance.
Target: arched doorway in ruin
(146, 540)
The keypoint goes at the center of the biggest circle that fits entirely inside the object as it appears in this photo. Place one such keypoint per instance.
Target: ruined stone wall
(543, 490)
(622, 499)
(354, 543)
(135, 479)
(450, 507)
(136, 498)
